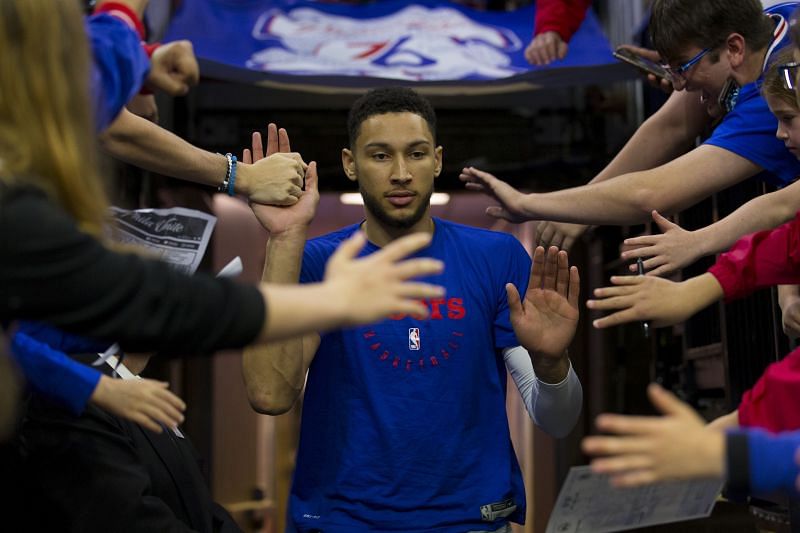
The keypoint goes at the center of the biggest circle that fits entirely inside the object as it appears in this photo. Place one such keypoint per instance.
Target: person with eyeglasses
(709, 47)
(679, 444)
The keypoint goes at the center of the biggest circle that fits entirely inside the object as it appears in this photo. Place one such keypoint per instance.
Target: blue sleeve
(749, 131)
(60, 340)
(517, 270)
(772, 461)
(119, 69)
(53, 374)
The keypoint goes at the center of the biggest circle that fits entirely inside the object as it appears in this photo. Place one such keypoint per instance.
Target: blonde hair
(46, 127)
(774, 85)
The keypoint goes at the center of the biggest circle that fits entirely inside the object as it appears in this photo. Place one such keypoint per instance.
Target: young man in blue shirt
(404, 423)
(706, 45)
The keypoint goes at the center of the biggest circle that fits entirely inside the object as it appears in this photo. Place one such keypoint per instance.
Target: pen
(640, 268)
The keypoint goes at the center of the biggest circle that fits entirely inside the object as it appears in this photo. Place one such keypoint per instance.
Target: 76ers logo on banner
(413, 339)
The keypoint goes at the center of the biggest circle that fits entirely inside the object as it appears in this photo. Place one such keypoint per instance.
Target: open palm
(546, 320)
(277, 219)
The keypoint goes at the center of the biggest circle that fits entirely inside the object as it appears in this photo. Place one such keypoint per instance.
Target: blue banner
(425, 42)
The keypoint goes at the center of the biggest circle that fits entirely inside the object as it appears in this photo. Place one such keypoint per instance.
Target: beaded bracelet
(232, 182)
(226, 182)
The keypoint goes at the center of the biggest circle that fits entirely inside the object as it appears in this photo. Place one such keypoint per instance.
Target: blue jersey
(749, 129)
(404, 422)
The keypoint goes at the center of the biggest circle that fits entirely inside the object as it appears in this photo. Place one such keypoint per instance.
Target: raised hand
(301, 212)
(145, 401)
(674, 248)
(559, 234)
(510, 200)
(173, 68)
(375, 286)
(545, 321)
(545, 48)
(649, 449)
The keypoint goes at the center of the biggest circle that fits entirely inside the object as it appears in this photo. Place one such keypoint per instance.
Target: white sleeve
(553, 407)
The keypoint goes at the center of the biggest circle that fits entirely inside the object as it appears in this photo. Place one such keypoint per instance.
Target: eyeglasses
(679, 73)
(789, 74)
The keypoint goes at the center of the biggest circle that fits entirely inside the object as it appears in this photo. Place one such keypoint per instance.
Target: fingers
(667, 403)
(258, 147)
(629, 425)
(419, 290)
(605, 445)
(499, 212)
(472, 174)
(562, 276)
(273, 145)
(402, 247)
(622, 464)
(414, 268)
(574, 287)
(612, 303)
(550, 269)
(537, 270)
(546, 236)
(147, 423)
(568, 242)
(615, 319)
(283, 141)
(349, 248)
(663, 223)
(634, 479)
(311, 177)
(514, 302)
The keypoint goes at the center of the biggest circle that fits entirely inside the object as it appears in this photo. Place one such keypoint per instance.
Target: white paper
(177, 236)
(587, 503)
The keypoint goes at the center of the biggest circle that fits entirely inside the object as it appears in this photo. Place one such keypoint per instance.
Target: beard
(373, 205)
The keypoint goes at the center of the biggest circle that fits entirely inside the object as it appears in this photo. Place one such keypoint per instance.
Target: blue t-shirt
(749, 129)
(404, 422)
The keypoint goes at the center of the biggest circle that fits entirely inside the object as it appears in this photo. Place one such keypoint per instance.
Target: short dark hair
(389, 100)
(676, 24)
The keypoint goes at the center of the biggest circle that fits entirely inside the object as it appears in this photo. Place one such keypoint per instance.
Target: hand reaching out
(664, 302)
(559, 234)
(667, 252)
(511, 200)
(380, 284)
(649, 449)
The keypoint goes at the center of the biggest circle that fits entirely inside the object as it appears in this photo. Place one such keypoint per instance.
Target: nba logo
(413, 338)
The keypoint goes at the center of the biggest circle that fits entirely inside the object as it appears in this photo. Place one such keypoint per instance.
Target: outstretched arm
(648, 449)
(675, 248)
(664, 302)
(275, 180)
(626, 199)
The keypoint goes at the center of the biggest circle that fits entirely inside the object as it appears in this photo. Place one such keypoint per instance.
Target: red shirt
(561, 16)
(759, 260)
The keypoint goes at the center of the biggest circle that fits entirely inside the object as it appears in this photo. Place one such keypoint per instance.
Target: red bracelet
(125, 14)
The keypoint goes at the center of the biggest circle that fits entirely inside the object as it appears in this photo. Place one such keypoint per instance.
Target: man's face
(394, 160)
(706, 77)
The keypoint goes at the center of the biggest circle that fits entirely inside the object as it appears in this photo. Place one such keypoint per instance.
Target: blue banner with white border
(424, 42)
